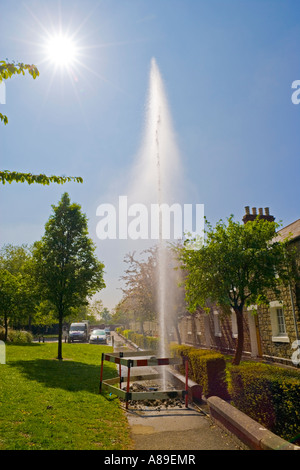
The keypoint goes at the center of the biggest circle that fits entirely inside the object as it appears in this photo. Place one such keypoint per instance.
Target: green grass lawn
(46, 404)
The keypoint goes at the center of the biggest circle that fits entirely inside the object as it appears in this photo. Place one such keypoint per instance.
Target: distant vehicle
(107, 331)
(87, 323)
(78, 332)
(98, 337)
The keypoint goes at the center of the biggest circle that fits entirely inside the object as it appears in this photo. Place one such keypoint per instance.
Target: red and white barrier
(128, 360)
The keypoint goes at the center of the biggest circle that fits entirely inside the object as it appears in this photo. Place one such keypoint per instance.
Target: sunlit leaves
(7, 70)
(10, 176)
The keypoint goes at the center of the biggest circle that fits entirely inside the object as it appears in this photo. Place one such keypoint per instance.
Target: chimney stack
(266, 216)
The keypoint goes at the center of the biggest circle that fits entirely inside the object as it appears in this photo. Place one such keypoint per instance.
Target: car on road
(78, 332)
(98, 337)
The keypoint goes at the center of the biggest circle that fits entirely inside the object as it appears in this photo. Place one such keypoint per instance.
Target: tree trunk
(60, 321)
(177, 332)
(240, 339)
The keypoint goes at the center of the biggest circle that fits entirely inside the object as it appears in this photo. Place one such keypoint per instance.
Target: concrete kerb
(252, 434)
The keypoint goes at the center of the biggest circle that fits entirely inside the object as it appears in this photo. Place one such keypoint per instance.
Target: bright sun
(61, 50)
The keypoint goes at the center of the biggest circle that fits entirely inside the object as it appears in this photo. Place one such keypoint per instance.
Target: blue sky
(227, 65)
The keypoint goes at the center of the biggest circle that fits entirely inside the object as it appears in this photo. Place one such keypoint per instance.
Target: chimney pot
(254, 210)
(247, 210)
(267, 211)
(260, 211)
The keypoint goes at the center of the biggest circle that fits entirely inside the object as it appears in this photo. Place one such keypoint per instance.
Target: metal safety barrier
(129, 360)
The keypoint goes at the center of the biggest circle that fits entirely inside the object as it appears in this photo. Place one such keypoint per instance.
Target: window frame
(279, 335)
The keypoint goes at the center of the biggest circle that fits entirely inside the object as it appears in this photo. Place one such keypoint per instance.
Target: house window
(280, 321)
(217, 323)
(279, 333)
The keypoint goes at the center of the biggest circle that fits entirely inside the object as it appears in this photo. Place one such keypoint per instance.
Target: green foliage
(206, 368)
(19, 293)
(16, 336)
(269, 395)
(45, 314)
(14, 176)
(238, 265)
(7, 70)
(66, 268)
(143, 341)
(3, 118)
(9, 297)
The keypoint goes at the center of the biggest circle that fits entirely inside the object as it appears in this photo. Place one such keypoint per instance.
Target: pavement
(175, 427)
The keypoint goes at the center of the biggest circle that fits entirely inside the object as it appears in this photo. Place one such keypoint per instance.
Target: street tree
(9, 298)
(67, 269)
(238, 265)
(95, 308)
(16, 271)
(106, 316)
(140, 286)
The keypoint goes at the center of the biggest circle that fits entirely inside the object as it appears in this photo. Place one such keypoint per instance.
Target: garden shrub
(207, 368)
(270, 395)
(16, 336)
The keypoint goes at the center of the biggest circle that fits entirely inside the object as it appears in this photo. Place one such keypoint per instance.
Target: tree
(18, 284)
(7, 70)
(106, 316)
(67, 269)
(238, 265)
(9, 298)
(122, 313)
(141, 286)
(176, 303)
(95, 308)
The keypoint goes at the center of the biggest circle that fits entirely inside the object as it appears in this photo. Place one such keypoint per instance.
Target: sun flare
(61, 50)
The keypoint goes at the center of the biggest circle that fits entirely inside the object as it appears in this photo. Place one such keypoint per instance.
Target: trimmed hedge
(144, 342)
(270, 395)
(206, 367)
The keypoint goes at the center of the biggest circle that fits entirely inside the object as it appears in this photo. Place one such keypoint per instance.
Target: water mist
(157, 180)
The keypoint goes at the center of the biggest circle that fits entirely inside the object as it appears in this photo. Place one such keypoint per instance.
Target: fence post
(120, 370)
(101, 373)
(129, 364)
(186, 381)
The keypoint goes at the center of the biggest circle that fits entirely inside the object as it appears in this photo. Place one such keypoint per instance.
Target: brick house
(271, 334)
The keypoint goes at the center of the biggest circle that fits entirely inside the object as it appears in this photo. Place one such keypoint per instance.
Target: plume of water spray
(156, 180)
(158, 142)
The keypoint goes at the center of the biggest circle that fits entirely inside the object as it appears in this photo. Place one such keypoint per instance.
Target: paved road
(174, 428)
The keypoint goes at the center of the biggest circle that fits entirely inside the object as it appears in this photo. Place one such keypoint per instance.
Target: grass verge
(46, 404)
